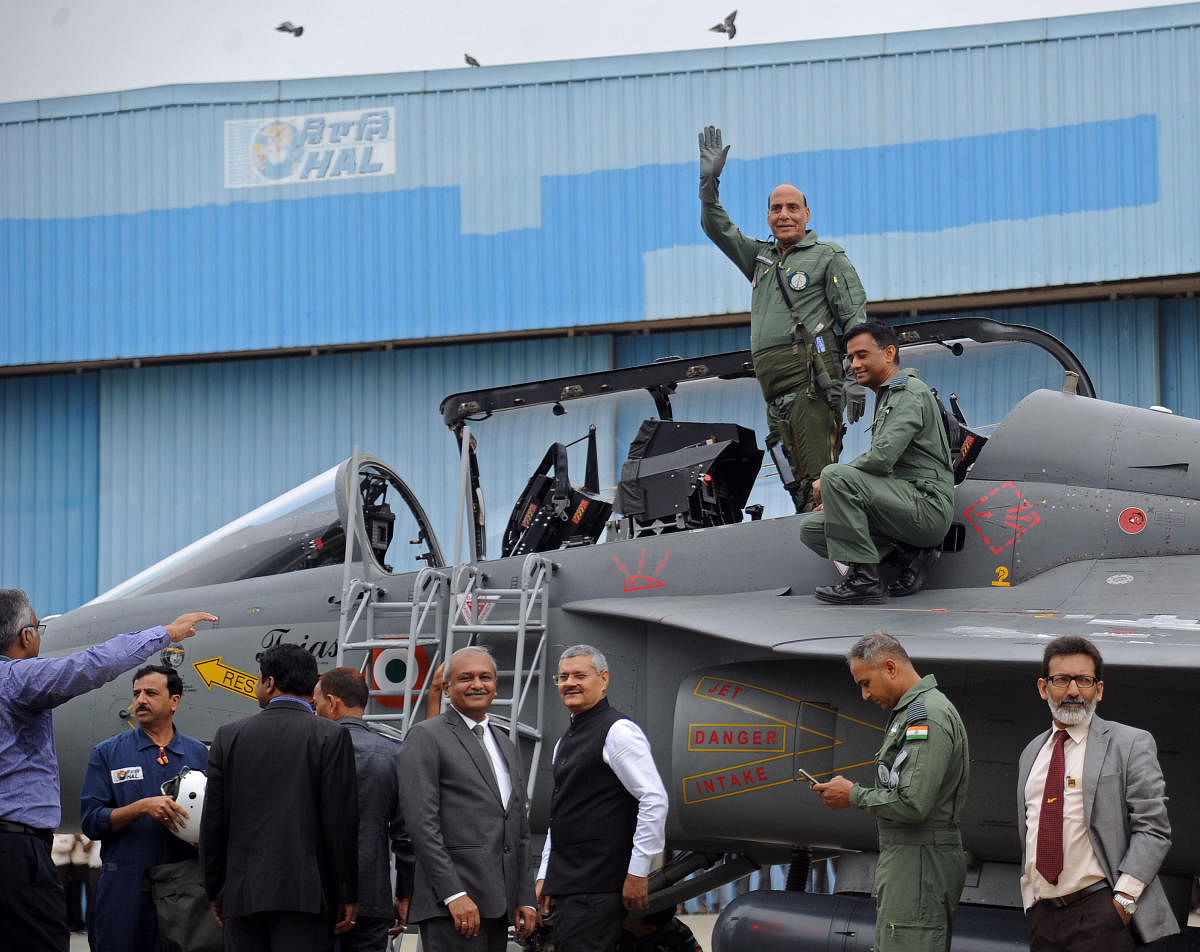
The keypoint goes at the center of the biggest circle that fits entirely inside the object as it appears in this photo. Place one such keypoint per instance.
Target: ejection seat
(685, 476)
(551, 512)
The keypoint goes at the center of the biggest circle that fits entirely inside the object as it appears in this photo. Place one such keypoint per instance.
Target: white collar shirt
(1081, 867)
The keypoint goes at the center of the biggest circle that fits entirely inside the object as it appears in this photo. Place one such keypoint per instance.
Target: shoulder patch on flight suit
(899, 382)
(917, 711)
(916, 732)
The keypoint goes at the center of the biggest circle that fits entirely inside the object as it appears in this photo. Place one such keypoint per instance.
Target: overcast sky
(54, 48)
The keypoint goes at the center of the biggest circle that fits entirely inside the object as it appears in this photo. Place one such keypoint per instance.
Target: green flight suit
(901, 489)
(803, 419)
(922, 771)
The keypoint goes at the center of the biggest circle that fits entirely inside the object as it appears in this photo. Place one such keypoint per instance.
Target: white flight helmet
(187, 790)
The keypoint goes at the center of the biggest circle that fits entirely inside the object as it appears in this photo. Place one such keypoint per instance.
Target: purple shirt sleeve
(41, 683)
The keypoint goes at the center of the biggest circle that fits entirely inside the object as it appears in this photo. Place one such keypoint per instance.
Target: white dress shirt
(1081, 868)
(627, 753)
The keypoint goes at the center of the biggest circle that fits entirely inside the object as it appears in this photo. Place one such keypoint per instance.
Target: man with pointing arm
(32, 901)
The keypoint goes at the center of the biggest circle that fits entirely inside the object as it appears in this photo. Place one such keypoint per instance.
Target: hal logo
(293, 149)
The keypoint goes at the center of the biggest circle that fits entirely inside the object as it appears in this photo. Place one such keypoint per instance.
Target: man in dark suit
(341, 696)
(1092, 814)
(464, 806)
(278, 840)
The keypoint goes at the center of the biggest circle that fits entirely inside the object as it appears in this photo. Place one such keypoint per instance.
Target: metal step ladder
(512, 624)
(411, 633)
(377, 635)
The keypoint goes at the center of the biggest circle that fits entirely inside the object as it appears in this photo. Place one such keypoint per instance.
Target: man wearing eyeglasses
(1091, 850)
(608, 813)
(32, 901)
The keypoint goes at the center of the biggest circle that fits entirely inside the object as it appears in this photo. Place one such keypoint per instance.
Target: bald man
(806, 296)
(464, 804)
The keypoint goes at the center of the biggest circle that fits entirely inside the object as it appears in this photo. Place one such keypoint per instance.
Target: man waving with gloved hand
(806, 296)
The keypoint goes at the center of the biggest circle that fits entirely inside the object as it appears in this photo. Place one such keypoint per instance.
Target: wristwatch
(1128, 904)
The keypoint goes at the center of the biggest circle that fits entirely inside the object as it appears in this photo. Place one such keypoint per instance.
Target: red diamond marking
(1018, 515)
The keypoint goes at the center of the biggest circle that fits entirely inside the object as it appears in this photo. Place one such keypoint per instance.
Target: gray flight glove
(712, 160)
(856, 395)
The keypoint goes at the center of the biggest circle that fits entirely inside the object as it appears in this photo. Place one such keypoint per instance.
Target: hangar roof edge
(559, 71)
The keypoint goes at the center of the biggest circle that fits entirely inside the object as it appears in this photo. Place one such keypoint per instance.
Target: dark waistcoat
(592, 816)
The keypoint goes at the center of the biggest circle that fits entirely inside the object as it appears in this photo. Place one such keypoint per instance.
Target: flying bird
(726, 26)
(286, 27)
(471, 60)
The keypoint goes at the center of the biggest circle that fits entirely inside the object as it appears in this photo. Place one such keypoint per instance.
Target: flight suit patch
(122, 774)
(798, 281)
(890, 776)
(916, 732)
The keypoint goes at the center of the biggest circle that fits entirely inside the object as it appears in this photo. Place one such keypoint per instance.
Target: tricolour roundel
(390, 672)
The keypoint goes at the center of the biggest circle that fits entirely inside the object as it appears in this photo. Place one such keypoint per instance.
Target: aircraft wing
(1141, 611)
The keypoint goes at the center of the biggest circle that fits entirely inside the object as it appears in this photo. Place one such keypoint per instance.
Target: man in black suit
(341, 696)
(464, 806)
(278, 840)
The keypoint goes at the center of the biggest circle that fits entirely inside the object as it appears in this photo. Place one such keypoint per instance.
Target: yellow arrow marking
(215, 671)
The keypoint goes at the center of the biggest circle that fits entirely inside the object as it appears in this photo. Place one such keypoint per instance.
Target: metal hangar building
(210, 293)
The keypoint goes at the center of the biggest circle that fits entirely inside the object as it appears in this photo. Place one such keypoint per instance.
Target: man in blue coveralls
(122, 806)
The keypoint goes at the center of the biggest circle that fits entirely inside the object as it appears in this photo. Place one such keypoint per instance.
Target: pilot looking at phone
(917, 801)
(899, 495)
(122, 804)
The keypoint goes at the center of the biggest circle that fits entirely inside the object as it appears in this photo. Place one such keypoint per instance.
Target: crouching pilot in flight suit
(899, 495)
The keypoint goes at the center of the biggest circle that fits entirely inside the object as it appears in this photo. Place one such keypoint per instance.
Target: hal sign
(292, 150)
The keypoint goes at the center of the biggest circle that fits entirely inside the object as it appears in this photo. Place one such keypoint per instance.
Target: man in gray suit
(1091, 850)
(464, 805)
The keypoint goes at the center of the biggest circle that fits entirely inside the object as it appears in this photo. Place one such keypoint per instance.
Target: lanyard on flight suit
(817, 374)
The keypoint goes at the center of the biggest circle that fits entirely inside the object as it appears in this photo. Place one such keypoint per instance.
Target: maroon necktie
(1050, 825)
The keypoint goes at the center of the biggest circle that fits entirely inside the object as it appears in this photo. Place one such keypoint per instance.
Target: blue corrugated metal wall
(105, 473)
(564, 194)
(48, 488)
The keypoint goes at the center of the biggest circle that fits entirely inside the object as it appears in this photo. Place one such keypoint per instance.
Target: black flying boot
(862, 586)
(912, 576)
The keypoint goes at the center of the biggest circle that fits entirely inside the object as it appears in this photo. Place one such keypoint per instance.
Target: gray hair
(469, 649)
(586, 651)
(16, 614)
(877, 647)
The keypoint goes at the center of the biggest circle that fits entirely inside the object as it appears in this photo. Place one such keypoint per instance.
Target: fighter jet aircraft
(1073, 516)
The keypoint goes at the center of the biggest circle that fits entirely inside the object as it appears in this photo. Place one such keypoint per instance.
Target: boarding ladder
(377, 635)
(512, 624)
